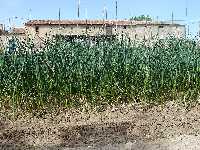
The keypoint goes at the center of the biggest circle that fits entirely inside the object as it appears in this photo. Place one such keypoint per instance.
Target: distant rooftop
(18, 31)
(95, 22)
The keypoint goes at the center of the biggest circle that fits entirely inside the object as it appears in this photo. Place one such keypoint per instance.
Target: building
(18, 31)
(5, 36)
(141, 30)
(135, 30)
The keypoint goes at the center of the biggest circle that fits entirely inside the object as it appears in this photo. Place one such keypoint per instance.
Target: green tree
(141, 18)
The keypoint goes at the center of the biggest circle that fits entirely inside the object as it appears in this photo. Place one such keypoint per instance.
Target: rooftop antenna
(172, 17)
(29, 17)
(188, 30)
(105, 12)
(199, 28)
(59, 14)
(157, 18)
(116, 10)
(9, 20)
(14, 19)
(78, 11)
(186, 17)
(86, 13)
(186, 8)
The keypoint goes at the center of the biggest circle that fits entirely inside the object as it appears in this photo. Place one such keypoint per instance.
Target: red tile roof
(90, 22)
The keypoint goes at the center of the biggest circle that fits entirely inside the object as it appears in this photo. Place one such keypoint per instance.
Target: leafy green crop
(70, 74)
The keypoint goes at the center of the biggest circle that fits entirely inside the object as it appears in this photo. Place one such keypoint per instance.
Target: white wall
(134, 32)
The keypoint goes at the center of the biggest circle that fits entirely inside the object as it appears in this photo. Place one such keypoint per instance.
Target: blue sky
(48, 9)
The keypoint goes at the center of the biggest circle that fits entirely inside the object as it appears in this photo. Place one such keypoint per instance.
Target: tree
(141, 18)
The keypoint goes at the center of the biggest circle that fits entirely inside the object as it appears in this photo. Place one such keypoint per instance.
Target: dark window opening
(124, 27)
(37, 29)
(160, 26)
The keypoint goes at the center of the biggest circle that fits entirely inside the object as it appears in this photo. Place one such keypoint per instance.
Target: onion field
(65, 73)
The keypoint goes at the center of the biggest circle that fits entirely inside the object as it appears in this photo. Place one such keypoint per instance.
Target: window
(160, 26)
(37, 29)
(124, 27)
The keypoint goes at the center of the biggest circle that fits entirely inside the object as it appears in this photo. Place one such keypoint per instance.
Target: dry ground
(169, 127)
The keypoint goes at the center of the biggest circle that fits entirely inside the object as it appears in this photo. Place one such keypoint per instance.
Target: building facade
(135, 30)
(140, 30)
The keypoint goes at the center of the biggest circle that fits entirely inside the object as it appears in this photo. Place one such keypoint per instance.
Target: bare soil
(166, 127)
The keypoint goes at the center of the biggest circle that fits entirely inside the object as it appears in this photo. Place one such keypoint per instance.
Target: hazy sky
(48, 9)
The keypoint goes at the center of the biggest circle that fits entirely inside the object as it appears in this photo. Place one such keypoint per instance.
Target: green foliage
(141, 18)
(70, 74)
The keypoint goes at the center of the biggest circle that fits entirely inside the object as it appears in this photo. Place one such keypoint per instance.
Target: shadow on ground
(71, 137)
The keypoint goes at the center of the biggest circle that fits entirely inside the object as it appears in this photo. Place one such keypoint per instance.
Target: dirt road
(168, 127)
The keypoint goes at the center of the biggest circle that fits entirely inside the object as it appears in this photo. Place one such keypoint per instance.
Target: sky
(19, 11)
